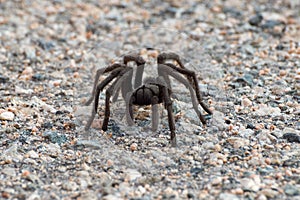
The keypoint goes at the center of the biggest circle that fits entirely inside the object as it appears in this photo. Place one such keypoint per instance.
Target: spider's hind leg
(129, 110)
(171, 120)
(191, 76)
(166, 70)
(155, 113)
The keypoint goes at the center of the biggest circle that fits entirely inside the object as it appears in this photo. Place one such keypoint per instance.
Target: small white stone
(9, 171)
(237, 142)
(132, 174)
(267, 110)
(33, 154)
(228, 196)
(216, 181)
(11, 153)
(19, 90)
(34, 196)
(6, 115)
(250, 184)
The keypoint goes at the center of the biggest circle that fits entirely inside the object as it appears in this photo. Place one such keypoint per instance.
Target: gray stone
(9, 171)
(291, 190)
(12, 153)
(70, 186)
(132, 174)
(228, 196)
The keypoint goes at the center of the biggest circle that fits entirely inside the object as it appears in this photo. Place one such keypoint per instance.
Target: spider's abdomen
(144, 95)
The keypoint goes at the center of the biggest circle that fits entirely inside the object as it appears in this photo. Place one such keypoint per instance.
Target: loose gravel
(247, 59)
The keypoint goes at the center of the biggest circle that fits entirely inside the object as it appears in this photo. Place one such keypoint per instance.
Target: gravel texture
(247, 58)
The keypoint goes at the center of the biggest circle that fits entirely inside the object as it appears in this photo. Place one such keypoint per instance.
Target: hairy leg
(163, 57)
(140, 62)
(155, 114)
(98, 74)
(168, 105)
(171, 72)
(192, 75)
(108, 94)
(98, 89)
(129, 110)
(124, 83)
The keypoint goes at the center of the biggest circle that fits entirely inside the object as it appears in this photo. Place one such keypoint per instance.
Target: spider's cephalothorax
(152, 92)
(143, 95)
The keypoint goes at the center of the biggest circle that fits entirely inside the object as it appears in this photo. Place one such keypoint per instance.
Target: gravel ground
(246, 55)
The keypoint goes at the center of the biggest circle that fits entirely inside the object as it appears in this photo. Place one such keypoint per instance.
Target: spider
(152, 91)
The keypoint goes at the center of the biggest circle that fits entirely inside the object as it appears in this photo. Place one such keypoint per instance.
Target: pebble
(20, 90)
(217, 181)
(11, 153)
(237, 142)
(250, 185)
(46, 45)
(291, 190)
(38, 77)
(264, 110)
(30, 53)
(269, 193)
(291, 137)
(89, 144)
(54, 137)
(105, 179)
(34, 196)
(266, 138)
(112, 197)
(246, 102)
(247, 79)
(218, 120)
(88, 195)
(246, 133)
(270, 24)
(228, 196)
(70, 186)
(132, 174)
(261, 197)
(133, 147)
(6, 115)
(53, 149)
(3, 79)
(33, 154)
(9, 171)
(256, 19)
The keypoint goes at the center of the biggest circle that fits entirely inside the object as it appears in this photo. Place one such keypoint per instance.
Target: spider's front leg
(115, 73)
(140, 63)
(108, 94)
(98, 74)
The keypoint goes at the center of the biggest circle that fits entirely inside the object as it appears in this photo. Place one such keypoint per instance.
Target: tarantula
(152, 92)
